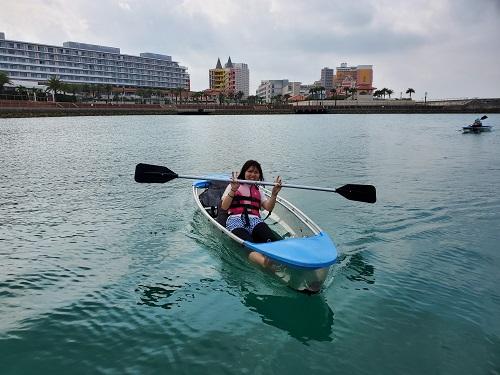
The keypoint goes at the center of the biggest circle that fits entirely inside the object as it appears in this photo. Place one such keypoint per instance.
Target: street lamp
(425, 97)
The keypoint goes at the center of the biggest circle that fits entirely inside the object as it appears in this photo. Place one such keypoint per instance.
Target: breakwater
(16, 108)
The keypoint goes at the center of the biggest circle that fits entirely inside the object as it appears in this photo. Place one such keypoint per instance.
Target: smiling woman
(243, 203)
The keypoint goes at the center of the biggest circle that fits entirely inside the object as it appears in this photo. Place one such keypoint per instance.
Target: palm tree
(204, 94)
(108, 89)
(85, 90)
(22, 91)
(72, 88)
(334, 95)
(141, 93)
(54, 84)
(239, 95)
(178, 92)
(321, 91)
(4, 80)
(38, 93)
(313, 91)
(252, 99)
(410, 91)
(221, 98)
(389, 92)
(197, 96)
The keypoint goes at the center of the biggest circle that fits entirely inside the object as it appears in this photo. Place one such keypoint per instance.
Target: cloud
(444, 46)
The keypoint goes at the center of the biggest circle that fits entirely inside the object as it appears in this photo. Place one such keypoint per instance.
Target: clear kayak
(303, 249)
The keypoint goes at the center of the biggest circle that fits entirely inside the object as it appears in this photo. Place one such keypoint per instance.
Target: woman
(243, 202)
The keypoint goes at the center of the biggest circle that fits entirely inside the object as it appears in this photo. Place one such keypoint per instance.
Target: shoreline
(18, 109)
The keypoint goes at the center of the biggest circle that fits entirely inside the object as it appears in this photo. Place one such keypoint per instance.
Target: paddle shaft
(147, 173)
(251, 182)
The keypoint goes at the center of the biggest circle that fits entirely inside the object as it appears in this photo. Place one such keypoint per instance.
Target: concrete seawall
(49, 109)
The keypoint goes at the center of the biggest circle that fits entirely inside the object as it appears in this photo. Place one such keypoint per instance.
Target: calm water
(99, 274)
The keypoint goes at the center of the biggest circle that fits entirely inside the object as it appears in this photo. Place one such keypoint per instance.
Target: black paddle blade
(153, 173)
(484, 117)
(360, 193)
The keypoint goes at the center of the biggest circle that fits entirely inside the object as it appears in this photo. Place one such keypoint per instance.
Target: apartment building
(231, 78)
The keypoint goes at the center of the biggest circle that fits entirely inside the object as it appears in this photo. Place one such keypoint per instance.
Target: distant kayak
(476, 129)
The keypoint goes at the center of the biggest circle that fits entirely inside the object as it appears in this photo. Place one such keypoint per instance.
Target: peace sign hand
(234, 184)
(277, 186)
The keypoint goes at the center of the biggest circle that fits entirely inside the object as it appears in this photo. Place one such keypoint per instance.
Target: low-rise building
(270, 89)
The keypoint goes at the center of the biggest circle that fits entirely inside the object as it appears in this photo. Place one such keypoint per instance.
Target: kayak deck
(303, 243)
(306, 252)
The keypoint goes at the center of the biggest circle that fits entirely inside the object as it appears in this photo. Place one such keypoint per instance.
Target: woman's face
(252, 173)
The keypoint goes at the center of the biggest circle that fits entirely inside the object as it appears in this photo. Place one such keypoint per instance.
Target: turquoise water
(99, 274)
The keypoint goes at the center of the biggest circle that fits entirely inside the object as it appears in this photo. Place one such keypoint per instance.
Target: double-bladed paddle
(147, 173)
(482, 118)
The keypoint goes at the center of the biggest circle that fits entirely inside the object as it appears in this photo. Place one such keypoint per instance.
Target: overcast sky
(449, 48)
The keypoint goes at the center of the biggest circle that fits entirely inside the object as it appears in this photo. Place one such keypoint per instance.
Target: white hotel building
(90, 64)
(271, 88)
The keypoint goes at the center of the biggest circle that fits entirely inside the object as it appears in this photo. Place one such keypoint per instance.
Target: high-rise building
(241, 78)
(326, 79)
(234, 77)
(90, 64)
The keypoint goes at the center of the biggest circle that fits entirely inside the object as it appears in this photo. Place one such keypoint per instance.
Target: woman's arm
(269, 204)
(227, 199)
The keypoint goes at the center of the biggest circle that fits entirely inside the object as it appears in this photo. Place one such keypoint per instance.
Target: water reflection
(304, 318)
(158, 295)
(357, 269)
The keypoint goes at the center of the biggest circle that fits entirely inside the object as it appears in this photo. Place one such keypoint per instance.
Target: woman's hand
(277, 187)
(234, 184)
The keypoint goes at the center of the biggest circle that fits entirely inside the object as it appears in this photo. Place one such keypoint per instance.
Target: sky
(447, 48)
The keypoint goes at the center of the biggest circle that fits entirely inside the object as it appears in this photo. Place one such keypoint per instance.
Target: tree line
(66, 91)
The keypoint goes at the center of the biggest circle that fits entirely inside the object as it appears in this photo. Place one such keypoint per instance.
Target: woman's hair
(247, 165)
